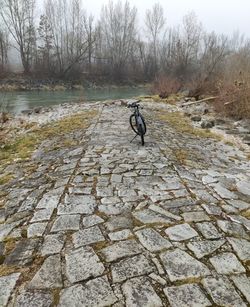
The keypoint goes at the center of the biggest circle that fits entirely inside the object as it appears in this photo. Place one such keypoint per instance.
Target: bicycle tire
(134, 126)
(141, 134)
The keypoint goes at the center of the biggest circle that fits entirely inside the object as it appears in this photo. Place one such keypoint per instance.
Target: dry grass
(183, 125)
(23, 147)
(181, 155)
(6, 178)
(234, 100)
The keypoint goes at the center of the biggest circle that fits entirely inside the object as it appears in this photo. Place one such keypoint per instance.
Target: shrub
(234, 99)
(165, 86)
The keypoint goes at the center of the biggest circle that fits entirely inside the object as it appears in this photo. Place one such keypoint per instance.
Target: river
(16, 102)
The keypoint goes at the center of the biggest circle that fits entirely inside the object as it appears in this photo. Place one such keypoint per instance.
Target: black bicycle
(137, 121)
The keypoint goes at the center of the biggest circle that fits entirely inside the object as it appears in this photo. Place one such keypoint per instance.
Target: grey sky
(222, 16)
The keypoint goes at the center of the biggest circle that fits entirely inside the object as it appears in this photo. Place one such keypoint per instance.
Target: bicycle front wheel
(141, 130)
(135, 125)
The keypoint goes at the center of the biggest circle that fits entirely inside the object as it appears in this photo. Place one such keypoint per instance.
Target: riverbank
(17, 83)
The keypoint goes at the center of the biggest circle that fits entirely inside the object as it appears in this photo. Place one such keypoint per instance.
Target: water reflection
(16, 102)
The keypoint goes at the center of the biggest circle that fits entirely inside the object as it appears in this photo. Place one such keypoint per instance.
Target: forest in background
(66, 42)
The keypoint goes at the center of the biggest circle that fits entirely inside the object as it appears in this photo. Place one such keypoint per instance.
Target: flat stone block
(242, 282)
(96, 292)
(34, 299)
(7, 285)
(180, 265)
(82, 264)
(77, 204)
(118, 222)
(227, 263)
(131, 267)
(208, 230)
(42, 215)
(139, 292)
(186, 296)
(148, 216)
(121, 249)
(222, 292)
(66, 222)
(91, 220)
(49, 276)
(120, 235)
(181, 232)
(53, 244)
(87, 236)
(233, 229)
(152, 240)
(204, 248)
(197, 216)
(241, 247)
(36, 230)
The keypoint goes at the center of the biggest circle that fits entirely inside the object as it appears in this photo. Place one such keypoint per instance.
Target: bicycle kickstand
(133, 138)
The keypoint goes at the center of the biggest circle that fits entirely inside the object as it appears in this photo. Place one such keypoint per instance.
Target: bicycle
(137, 121)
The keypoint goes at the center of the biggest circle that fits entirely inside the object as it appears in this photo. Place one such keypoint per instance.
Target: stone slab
(222, 292)
(82, 264)
(139, 292)
(121, 249)
(205, 247)
(152, 240)
(87, 236)
(49, 276)
(208, 230)
(181, 232)
(131, 267)
(148, 216)
(242, 282)
(197, 216)
(120, 235)
(241, 247)
(53, 244)
(34, 299)
(91, 220)
(77, 204)
(186, 296)
(7, 285)
(227, 263)
(66, 222)
(36, 230)
(96, 293)
(42, 215)
(232, 229)
(164, 212)
(179, 265)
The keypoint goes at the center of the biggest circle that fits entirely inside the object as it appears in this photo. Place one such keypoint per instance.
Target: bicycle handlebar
(134, 104)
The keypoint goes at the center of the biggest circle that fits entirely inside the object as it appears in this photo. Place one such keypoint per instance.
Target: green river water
(16, 102)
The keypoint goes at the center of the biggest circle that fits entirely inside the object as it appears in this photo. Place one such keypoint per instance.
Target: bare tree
(45, 46)
(72, 34)
(154, 23)
(4, 48)
(119, 32)
(18, 16)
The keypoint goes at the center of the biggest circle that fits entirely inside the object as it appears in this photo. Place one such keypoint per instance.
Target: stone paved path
(125, 225)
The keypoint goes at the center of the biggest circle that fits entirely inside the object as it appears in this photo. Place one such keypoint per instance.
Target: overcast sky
(222, 16)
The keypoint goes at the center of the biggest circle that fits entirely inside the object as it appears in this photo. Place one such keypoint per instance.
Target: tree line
(67, 42)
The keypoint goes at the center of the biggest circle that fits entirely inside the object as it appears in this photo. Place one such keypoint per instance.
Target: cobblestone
(106, 222)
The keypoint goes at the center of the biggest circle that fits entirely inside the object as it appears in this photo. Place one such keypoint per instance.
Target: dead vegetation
(24, 145)
(183, 125)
